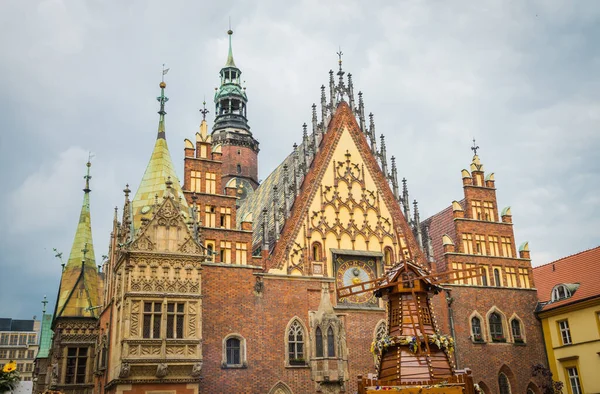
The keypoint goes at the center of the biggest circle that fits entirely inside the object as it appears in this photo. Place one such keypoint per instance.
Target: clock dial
(354, 272)
(244, 189)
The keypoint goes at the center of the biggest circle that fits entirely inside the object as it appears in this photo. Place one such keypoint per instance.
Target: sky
(522, 77)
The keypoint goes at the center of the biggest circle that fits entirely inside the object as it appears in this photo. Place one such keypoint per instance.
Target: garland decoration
(444, 342)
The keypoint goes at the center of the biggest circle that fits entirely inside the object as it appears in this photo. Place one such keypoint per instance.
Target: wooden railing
(465, 380)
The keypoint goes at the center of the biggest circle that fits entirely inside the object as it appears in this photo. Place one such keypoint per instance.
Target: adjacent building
(19, 342)
(569, 294)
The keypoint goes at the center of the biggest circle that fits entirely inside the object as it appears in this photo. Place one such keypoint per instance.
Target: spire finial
(230, 62)
(87, 176)
(340, 54)
(474, 147)
(204, 111)
(44, 302)
(162, 99)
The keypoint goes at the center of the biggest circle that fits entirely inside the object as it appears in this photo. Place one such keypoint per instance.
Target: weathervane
(340, 53)
(474, 147)
(204, 111)
(44, 303)
(164, 72)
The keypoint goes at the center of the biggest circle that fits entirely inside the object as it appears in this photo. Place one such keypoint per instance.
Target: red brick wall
(231, 306)
(488, 358)
(247, 159)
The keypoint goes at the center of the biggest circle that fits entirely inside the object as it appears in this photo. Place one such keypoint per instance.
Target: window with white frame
(574, 381)
(565, 332)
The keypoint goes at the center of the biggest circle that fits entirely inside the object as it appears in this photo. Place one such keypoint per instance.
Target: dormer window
(560, 292)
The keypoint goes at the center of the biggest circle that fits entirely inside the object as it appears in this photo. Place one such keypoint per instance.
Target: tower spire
(230, 62)
(162, 99)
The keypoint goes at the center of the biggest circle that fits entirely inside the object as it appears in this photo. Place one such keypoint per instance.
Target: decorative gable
(345, 203)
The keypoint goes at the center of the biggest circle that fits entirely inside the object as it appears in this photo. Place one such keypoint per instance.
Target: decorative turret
(405, 202)
(231, 128)
(160, 174)
(80, 286)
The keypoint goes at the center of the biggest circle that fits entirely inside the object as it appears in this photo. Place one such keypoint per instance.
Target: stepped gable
(582, 268)
(342, 119)
(440, 224)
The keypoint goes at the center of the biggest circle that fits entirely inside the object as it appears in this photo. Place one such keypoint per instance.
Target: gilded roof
(80, 283)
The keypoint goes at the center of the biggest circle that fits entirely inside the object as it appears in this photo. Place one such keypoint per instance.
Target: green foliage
(548, 385)
(8, 380)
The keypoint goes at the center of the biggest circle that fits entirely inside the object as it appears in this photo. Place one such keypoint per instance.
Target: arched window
(476, 329)
(239, 169)
(387, 256)
(515, 327)
(296, 344)
(318, 342)
(496, 277)
(560, 292)
(380, 331)
(316, 251)
(496, 327)
(234, 352)
(330, 343)
(503, 384)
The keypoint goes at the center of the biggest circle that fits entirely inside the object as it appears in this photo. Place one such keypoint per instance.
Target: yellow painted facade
(348, 212)
(583, 352)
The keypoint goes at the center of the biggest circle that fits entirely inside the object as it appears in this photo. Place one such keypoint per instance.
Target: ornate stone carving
(175, 350)
(192, 319)
(124, 371)
(190, 246)
(196, 369)
(143, 243)
(134, 319)
(162, 370)
(150, 350)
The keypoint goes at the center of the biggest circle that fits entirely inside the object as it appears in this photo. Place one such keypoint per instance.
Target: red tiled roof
(439, 224)
(582, 268)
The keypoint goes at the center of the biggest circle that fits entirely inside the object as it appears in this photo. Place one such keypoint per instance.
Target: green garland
(444, 342)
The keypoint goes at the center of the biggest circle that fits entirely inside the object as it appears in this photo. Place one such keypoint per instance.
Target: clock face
(353, 272)
(244, 189)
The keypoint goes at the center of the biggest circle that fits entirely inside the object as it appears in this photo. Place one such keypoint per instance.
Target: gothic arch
(381, 326)
(482, 325)
(506, 371)
(280, 388)
(484, 387)
(532, 387)
(516, 317)
(505, 327)
(305, 336)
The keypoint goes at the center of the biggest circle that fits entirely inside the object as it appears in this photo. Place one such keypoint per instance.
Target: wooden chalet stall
(413, 357)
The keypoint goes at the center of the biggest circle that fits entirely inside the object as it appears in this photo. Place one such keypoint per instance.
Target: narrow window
(195, 181)
(467, 240)
(488, 211)
(175, 317)
(76, 365)
(506, 246)
(565, 332)
(496, 327)
(387, 256)
(515, 326)
(330, 343)
(241, 253)
(233, 351)
(316, 251)
(476, 329)
(503, 384)
(31, 339)
(511, 277)
(319, 342)
(296, 344)
(239, 169)
(210, 252)
(23, 339)
(494, 245)
(497, 281)
(524, 278)
(574, 380)
(476, 209)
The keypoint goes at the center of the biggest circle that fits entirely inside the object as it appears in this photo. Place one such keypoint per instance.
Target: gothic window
(497, 280)
(295, 340)
(175, 318)
(496, 330)
(319, 342)
(476, 329)
(317, 251)
(330, 343)
(503, 384)
(76, 365)
(484, 277)
(210, 251)
(388, 256)
(234, 352)
(515, 327)
(152, 317)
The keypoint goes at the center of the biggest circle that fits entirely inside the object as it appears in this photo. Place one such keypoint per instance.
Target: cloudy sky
(522, 77)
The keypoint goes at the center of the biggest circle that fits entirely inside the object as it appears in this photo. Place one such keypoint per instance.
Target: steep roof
(440, 224)
(80, 283)
(45, 336)
(159, 171)
(582, 268)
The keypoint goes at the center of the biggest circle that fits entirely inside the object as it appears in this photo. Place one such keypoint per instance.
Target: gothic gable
(165, 231)
(345, 203)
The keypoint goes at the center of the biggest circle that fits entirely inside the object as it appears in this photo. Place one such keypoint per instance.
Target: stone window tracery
(496, 330)
(503, 384)
(296, 344)
(476, 329)
(330, 343)
(319, 342)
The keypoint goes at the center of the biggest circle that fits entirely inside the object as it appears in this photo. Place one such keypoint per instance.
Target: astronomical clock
(353, 270)
(244, 189)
